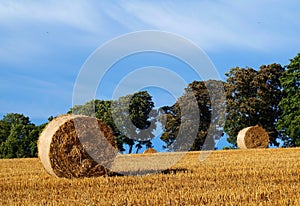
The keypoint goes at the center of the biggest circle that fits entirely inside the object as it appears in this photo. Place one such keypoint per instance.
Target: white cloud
(77, 14)
(215, 24)
(28, 30)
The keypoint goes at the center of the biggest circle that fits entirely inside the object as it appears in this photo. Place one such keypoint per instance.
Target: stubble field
(232, 177)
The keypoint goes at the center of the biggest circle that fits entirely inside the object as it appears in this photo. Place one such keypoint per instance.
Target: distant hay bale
(252, 137)
(149, 150)
(77, 146)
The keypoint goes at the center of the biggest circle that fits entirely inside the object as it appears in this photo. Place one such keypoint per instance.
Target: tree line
(18, 136)
(269, 97)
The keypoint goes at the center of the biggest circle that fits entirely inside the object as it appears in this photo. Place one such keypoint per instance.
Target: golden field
(230, 177)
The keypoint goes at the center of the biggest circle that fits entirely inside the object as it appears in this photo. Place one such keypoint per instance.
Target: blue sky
(43, 44)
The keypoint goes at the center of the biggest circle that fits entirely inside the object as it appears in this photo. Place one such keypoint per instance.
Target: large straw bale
(149, 150)
(77, 146)
(252, 137)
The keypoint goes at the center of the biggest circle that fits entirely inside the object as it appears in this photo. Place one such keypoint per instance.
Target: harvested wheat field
(231, 177)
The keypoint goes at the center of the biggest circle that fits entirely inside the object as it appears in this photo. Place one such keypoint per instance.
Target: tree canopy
(268, 97)
(130, 118)
(289, 123)
(252, 99)
(201, 113)
(18, 136)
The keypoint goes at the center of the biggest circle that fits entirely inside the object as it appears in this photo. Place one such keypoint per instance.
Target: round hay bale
(149, 150)
(252, 137)
(77, 146)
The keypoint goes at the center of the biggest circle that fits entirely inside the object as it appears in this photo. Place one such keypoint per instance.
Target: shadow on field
(175, 171)
(148, 172)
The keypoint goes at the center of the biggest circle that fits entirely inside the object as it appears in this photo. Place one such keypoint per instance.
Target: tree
(135, 119)
(15, 118)
(204, 107)
(4, 130)
(252, 99)
(18, 136)
(289, 123)
(129, 117)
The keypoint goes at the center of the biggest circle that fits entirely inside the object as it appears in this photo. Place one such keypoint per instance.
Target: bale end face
(77, 146)
(252, 137)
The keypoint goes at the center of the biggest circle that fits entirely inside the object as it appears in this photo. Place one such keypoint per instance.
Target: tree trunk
(130, 149)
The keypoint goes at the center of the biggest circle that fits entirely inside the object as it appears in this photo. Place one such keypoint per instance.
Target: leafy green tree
(252, 99)
(9, 148)
(289, 123)
(34, 134)
(130, 118)
(134, 119)
(170, 116)
(204, 103)
(4, 131)
(15, 118)
(18, 136)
